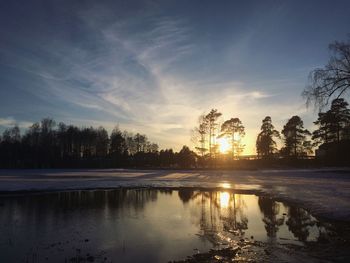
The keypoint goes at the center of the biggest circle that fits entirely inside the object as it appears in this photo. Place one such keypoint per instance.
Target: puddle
(145, 225)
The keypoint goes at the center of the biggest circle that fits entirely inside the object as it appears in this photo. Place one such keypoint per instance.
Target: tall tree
(333, 80)
(62, 140)
(295, 138)
(199, 135)
(74, 135)
(87, 138)
(141, 142)
(102, 142)
(117, 142)
(10, 147)
(333, 124)
(129, 142)
(340, 114)
(212, 125)
(265, 144)
(234, 129)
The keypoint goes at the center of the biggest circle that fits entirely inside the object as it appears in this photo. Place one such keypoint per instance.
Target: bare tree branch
(333, 80)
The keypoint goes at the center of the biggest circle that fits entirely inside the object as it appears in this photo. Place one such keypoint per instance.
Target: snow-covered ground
(325, 192)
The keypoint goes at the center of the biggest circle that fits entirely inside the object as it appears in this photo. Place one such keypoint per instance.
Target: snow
(324, 192)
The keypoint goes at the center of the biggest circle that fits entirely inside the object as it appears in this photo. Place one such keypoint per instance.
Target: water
(143, 225)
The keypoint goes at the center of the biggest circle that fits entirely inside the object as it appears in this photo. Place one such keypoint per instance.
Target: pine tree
(265, 144)
(295, 138)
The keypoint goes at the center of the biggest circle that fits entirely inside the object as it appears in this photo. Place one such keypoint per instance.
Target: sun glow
(224, 144)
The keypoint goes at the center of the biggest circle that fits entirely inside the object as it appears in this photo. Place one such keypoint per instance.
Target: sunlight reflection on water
(224, 199)
(226, 185)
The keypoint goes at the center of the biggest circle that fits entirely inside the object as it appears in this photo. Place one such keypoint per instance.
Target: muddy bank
(333, 249)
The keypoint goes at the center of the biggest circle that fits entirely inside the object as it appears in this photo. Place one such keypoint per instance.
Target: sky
(155, 66)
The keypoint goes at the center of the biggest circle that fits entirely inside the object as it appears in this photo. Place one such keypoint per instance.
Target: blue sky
(155, 66)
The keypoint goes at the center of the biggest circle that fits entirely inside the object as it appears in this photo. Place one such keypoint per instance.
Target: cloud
(7, 122)
(10, 122)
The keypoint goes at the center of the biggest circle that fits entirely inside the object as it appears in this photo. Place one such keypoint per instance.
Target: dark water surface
(143, 225)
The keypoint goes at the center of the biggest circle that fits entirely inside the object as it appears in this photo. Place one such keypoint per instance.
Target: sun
(224, 145)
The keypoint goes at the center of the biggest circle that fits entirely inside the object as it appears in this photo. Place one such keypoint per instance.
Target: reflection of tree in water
(234, 218)
(136, 198)
(185, 194)
(218, 211)
(270, 210)
(166, 191)
(43, 208)
(299, 222)
(131, 198)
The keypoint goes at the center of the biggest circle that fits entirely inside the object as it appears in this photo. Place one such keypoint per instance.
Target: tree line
(48, 145)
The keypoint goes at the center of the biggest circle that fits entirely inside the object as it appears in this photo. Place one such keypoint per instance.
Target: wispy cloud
(133, 80)
(151, 72)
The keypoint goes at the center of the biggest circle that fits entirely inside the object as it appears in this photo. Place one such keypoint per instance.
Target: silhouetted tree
(45, 145)
(199, 135)
(102, 142)
(130, 142)
(234, 129)
(62, 140)
(152, 147)
(11, 147)
(87, 141)
(140, 142)
(212, 126)
(265, 144)
(333, 80)
(333, 124)
(295, 138)
(73, 136)
(117, 143)
(186, 157)
(11, 135)
(167, 158)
